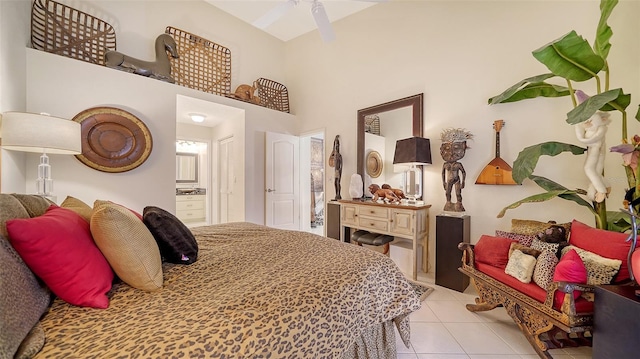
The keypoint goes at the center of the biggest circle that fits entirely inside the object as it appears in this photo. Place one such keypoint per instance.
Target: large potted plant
(571, 58)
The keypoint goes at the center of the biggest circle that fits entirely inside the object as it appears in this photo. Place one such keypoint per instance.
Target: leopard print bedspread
(255, 292)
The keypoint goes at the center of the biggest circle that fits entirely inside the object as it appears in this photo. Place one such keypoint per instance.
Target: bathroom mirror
(392, 121)
(186, 167)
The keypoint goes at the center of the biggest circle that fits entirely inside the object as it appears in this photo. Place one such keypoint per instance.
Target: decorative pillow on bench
(493, 250)
(600, 270)
(520, 266)
(524, 239)
(604, 243)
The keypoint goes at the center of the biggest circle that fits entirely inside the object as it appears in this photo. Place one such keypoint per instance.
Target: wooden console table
(409, 222)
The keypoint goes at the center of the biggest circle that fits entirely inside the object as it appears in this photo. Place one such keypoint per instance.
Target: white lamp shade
(29, 132)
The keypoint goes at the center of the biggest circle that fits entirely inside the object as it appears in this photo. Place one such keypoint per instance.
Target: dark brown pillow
(176, 242)
(34, 204)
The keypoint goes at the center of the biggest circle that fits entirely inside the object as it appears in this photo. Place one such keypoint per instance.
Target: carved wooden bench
(545, 325)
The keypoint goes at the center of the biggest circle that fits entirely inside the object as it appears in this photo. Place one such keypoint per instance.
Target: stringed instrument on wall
(497, 171)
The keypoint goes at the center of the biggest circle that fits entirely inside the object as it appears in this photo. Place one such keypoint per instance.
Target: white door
(227, 178)
(282, 181)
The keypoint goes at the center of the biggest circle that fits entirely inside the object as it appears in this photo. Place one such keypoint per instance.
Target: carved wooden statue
(335, 160)
(159, 69)
(453, 148)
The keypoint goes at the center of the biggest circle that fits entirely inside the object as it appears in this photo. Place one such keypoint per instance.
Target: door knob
(270, 190)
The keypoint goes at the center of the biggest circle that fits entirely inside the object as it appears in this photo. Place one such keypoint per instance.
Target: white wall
(459, 54)
(14, 36)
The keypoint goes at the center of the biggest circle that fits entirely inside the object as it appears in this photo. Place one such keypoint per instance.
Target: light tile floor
(444, 329)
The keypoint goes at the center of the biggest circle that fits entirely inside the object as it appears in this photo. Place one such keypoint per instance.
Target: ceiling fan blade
(274, 14)
(322, 20)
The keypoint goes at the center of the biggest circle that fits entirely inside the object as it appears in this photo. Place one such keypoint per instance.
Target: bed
(254, 292)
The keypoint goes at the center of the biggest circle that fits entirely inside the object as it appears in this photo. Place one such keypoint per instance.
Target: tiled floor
(444, 329)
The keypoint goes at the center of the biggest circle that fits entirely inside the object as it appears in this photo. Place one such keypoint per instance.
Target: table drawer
(189, 205)
(190, 197)
(191, 215)
(375, 225)
(372, 211)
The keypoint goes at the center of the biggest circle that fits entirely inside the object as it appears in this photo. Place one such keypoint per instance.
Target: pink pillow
(569, 269)
(58, 248)
(604, 243)
(493, 250)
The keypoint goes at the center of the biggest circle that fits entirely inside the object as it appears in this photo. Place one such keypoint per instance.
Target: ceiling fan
(317, 10)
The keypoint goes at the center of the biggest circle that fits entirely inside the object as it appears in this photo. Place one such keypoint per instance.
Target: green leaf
(618, 221)
(585, 110)
(620, 103)
(604, 32)
(528, 158)
(550, 185)
(541, 197)
(570, 57)
(538, 89)
(638, 114)
(508, 93)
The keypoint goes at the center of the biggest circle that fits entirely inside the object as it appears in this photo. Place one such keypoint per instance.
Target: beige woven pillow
(128, 246)
(76, 205)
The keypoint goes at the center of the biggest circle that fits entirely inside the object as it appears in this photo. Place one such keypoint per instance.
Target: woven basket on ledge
(272, 94)
(63, 30)
(202, 64)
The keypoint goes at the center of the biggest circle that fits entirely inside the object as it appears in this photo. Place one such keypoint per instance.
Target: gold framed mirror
(397, 117)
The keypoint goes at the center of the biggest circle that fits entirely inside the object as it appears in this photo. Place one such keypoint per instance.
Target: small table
(616, 322)
(402, 221)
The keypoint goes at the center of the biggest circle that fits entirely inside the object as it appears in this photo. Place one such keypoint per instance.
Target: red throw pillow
(58, 248)
(569, 269)
(493, 250)
(604, 243)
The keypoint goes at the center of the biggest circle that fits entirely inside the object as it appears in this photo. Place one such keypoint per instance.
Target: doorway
(227, 178)
(312, 156)
(192, 182)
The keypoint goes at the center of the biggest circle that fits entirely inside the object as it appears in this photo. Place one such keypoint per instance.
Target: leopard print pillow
(544, 269)
(600, 270)
(544, 246)
(529, 227)
(524, 239)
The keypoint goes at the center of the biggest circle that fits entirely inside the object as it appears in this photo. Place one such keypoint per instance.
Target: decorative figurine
(398, 192)
(592, 133)
(385, 193)
(335, 160)
(453, 148)
(160, 69)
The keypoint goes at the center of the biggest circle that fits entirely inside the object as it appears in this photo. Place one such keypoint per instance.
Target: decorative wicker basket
(272, 94)
(203, 65)
(63, 30)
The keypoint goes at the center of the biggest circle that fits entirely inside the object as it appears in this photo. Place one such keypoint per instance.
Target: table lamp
(29, 132)
(413, 151)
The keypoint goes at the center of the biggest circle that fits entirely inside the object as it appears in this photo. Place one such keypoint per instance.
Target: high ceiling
(297, 21)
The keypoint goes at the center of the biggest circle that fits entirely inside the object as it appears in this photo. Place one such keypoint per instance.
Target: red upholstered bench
(562, 313)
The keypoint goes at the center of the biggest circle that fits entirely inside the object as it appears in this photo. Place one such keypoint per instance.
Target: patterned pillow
(524, 239)
(545, 267)
(175, 241)
(128, 246)
(529, 227)
(600, 270)
(544, 246)
(76, 205)
(520, 266)
(23, 300)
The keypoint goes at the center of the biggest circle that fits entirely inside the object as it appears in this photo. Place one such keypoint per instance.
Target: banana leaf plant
(571, 58)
